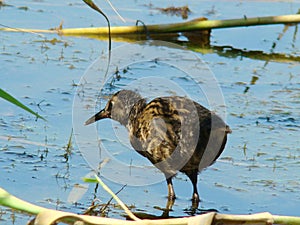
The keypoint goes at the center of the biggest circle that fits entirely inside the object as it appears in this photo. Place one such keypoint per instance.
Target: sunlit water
(259, 169)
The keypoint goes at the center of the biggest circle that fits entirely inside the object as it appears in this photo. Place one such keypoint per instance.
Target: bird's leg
(171, 193)
(169, 205)
(194, 178)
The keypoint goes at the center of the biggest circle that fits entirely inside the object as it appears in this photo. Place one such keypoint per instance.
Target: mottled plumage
(174, 133)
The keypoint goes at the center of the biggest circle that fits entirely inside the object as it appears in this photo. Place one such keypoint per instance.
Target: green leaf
(11, 99)
(89, 180)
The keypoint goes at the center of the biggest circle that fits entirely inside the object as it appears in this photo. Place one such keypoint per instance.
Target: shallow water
(259, 169)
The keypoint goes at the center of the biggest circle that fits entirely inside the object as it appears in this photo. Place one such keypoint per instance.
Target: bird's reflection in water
(167, 211)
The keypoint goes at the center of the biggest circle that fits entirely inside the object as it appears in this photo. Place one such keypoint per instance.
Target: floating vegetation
(192, 25)
(25, 8)
(183, 11)
(245, 149)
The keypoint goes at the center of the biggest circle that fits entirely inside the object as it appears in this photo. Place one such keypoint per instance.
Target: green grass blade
(89, 180)
(10, 201)
(11, 99)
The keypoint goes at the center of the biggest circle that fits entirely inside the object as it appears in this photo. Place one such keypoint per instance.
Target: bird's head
(118, 107)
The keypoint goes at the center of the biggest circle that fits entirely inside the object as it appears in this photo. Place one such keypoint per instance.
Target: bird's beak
(98, 116)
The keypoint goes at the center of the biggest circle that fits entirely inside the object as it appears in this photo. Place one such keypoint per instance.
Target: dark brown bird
(174, 133)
